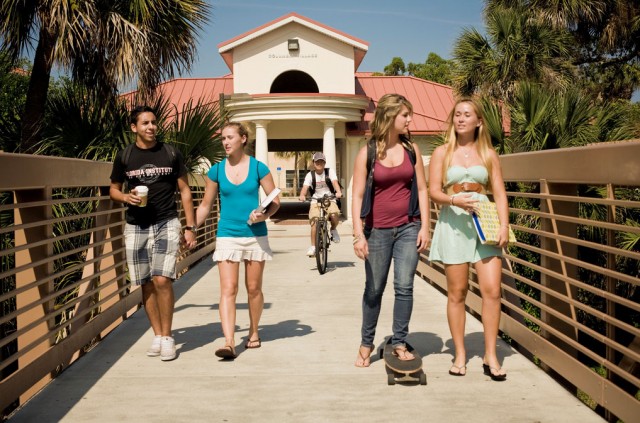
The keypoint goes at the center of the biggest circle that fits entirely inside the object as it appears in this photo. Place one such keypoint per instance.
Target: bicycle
(323, 234)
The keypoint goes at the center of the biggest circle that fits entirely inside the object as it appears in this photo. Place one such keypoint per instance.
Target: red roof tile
(431, 101)
(179, 91)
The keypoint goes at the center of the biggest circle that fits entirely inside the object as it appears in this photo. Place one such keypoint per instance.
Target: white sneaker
(311, 251)
(167, 348)
(154, 349)
(335, 236)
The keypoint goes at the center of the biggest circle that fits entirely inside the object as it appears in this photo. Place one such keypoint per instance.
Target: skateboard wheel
(423, 379)
(391, 380)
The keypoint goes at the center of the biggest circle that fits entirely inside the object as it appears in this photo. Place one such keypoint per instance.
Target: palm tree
(82, 124)
(518, 48)
(543, 119)
(102, 43)
(14, 82)
(196, 133)
(493, 120)
(605, 34)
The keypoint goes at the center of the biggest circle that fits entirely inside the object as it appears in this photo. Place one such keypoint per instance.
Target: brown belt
(466, 187)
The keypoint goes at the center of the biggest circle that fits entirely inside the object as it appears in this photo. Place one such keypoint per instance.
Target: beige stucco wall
(257, 63)
(330, 61)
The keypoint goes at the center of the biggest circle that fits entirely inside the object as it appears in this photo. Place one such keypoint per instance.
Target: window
(289, 178)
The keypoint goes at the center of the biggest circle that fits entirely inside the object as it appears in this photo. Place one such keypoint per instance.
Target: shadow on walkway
(304, 370)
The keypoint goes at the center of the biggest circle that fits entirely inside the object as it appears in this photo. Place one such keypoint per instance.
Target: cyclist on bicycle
(319, 182)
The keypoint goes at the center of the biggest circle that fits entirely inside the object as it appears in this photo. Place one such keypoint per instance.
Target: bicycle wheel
(321, 246)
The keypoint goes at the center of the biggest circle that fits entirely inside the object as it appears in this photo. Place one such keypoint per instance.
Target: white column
(329, 143)
(262, 145)
(353, 148)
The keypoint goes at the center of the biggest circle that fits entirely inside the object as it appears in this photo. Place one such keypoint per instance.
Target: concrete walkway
(304, 371)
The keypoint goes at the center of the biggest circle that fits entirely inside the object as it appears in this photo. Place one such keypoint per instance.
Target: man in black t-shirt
(153, 233)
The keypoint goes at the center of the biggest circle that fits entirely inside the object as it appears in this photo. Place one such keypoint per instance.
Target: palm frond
(81, 124)
(492, 113)
(196, 133)
(574, 119)
(531, 117)
(630, 241)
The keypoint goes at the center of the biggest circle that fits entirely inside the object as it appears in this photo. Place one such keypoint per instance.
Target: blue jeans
(399, 244)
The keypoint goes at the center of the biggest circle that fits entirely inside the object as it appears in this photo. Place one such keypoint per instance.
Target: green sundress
(455, 240)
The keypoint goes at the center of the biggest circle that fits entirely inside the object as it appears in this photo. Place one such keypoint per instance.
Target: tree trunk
(35, 103)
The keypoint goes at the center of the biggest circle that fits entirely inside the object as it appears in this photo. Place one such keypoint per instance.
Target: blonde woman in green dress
(461, 172)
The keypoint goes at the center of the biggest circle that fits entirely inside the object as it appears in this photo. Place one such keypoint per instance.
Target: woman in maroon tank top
(394, 220)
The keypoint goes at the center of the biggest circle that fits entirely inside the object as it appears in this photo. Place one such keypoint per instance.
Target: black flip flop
(496, 377)
(226, 352)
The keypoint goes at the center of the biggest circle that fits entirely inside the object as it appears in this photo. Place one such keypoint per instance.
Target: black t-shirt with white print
(153, 167)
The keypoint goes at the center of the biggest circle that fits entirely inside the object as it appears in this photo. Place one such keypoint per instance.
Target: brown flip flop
(250, 342)
(226, 352)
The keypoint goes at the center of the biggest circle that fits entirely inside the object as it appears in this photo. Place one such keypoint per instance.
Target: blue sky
(409, 29)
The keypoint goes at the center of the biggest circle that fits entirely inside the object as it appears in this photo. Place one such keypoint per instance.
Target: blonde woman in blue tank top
(460, 173)
(238, 179)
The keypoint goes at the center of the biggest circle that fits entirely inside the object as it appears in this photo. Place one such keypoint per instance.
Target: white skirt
(242, 248)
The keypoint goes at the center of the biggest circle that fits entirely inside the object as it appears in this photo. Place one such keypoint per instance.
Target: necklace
(467, 151)
(235, 170)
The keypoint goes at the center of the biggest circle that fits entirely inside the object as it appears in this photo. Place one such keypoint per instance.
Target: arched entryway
(294, 81)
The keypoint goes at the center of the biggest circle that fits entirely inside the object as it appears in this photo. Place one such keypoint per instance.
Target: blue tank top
(238, 201)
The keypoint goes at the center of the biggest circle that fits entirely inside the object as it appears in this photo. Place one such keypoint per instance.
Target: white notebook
(265, 203)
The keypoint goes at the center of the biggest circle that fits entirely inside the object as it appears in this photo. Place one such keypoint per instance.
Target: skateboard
(402, 370)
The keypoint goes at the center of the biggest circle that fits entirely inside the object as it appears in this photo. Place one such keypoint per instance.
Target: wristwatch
(193, 228)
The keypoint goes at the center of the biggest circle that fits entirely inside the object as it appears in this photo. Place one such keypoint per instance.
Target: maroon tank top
(392, 191)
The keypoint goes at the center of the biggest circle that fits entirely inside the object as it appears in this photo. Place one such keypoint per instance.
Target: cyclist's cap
(319, 156)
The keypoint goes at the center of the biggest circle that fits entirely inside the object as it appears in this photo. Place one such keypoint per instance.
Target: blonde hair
(240, 128)
(481, 136)
(389, 106)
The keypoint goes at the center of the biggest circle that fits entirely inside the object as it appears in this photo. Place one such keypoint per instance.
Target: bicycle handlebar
(319, 200)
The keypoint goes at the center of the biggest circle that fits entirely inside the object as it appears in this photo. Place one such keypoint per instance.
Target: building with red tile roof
(294, 82)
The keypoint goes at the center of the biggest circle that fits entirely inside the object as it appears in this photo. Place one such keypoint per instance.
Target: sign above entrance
(293, 56)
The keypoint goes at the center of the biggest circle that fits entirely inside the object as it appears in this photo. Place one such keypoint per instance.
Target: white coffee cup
(143, 192)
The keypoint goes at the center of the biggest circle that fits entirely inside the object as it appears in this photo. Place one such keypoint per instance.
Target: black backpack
(312, 188)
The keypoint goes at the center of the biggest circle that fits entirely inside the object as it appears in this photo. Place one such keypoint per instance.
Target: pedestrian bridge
(73, 337)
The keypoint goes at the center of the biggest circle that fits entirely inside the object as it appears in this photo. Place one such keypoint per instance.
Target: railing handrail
(60, 299)
(578, 323)
(566, 298)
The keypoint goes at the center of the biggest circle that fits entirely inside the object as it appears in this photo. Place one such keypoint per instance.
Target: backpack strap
(329, 181)
(312, 188)
(126, 155)
(371, 155)
(173, 155)
(412, 153)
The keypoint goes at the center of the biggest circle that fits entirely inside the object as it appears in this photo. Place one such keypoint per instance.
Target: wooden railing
(570, 290)
(63, 269)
